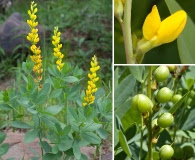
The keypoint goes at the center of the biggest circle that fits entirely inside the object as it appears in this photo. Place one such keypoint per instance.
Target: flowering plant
(57, 110)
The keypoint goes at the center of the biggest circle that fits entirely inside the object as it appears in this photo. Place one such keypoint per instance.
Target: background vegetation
(85, 27)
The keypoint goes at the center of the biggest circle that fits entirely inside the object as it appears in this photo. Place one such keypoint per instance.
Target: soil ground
(19, 150)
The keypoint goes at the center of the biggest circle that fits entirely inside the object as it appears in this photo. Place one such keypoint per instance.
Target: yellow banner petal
(151, 23)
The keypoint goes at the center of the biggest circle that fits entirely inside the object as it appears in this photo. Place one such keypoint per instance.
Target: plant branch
(150, 116)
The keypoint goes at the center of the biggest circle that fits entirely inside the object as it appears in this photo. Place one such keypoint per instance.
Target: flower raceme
(93, 78)
(34, 39)
(57, 46)
(156, 32)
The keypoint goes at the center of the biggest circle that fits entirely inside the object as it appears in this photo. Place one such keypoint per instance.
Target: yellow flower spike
(57, 47)
(91, 88)
(34, 39)
(151, 23)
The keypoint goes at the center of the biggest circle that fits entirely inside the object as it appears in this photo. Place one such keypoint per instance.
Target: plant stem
(126, 28)
(141, 140)
(40, 134)
(150, 116)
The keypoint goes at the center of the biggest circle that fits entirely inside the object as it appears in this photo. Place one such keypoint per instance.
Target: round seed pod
(161, 73)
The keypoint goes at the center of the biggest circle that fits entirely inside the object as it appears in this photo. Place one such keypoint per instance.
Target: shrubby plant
(52, 105)
(154, 112)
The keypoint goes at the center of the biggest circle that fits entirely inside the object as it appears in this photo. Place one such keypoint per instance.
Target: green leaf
(116, 76)
(84, 157)
(185, 41)
(189, 83)
(178, 104)
(76, 150)
(56, 93)
(131, 132)
(46, 147)
(190, 121)
(49, 120)
(71, 114)
(30, 136)
(137, 72)
(19, 124)
(123, 91)
(90, 127)
(2, 137)
(91, 137)
(70, 79)
(54, 109)
(45, 90)
(123, 143)
(5, 107)
(4, 149)
(48, 156)
(131, 116)
(65, 146)
(102, 133)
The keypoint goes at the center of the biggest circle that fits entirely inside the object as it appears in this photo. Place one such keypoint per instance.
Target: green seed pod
(161, 73)
(172, 68)
(176, 98)
(166, 152)
(142, 103)
(164, 95)
(165, 120)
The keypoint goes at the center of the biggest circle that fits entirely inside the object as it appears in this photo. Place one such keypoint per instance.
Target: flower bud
(118, 9)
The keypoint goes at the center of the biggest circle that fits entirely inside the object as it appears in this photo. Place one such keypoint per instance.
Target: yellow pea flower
(167, 30)
(157, 32)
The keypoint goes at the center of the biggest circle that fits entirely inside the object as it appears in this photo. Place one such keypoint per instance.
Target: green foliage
(5, 146)
(85, 27)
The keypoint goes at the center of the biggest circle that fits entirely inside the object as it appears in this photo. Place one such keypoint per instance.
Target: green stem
(150, 116)
(142, 123)
(40, 134)
(126, 28)
(141, 140)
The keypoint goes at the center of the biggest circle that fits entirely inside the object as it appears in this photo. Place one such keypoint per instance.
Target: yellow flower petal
(171, 27)
(151, 23)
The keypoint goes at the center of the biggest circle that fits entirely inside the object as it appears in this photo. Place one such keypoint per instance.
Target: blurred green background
(85, 26)
(164, 54)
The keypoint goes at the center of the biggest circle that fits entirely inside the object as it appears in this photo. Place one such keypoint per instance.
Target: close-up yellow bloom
(57, 46)
(93, 78)
(166, 31)
(33, 37)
